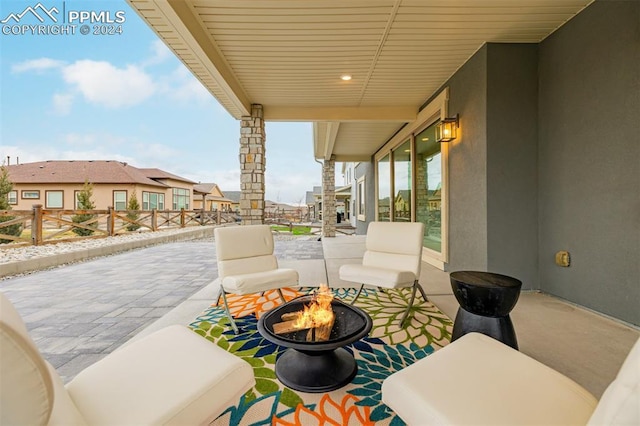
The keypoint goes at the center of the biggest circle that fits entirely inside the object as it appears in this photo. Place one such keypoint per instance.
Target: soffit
(288, 55)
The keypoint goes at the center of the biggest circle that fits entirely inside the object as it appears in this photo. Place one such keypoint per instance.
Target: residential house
(234, 196)
(210, 197)
(56, 185)
(543, 94)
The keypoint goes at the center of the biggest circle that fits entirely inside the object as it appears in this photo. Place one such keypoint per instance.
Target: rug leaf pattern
(387, 349)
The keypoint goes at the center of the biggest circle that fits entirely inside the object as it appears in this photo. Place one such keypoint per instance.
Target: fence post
(36, 225)
(182, 217)
(111, 221)
(154, 219)
(218, 217)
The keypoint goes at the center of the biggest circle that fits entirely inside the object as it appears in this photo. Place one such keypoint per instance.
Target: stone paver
(79, 313)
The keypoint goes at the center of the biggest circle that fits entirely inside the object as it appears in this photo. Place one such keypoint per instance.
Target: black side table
(485, 301)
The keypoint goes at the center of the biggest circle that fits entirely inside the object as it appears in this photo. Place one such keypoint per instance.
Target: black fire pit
(316, 366)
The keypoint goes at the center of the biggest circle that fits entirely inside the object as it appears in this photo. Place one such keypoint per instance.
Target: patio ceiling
(289, 55)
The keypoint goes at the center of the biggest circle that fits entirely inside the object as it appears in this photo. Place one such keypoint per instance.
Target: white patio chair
(162, 378)
(392, 259)
(246, 263)
(478, 380)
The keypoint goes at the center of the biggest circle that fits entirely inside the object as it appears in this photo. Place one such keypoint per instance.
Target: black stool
(485, 301)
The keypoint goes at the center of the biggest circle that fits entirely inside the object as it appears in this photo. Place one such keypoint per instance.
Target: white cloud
(38, 65)
(62, 103)
(159, 53)
(101, 83)
(182, 87)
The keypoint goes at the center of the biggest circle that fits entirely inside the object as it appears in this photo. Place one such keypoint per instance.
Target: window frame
(14, 198)
(435, 110)
(46, 199)
(26, 191)
(115, 203)
(361, 196)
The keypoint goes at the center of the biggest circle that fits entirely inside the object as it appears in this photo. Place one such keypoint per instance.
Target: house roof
(310, 199)
(70, 171)
(204, 188)
(289, 56)
(234, 196)
(154, 173)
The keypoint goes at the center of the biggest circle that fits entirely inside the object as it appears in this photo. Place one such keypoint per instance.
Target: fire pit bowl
(316, 366)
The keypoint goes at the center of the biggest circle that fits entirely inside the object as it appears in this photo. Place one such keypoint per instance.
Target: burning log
(317, 317)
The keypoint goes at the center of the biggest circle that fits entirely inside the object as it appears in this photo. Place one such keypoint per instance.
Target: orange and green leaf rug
(387, 349)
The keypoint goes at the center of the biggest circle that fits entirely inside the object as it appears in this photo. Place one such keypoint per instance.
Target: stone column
(329, 217)
(252, 167)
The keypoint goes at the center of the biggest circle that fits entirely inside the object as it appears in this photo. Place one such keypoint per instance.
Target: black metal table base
(319, 371)
(500, 328)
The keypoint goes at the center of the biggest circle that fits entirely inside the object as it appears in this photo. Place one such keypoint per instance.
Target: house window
(417, 178)
(12, 197)
(30, 195)
(402, 182)
(360, 194)
(54, 199)
(181, 198)
(429, 187)
(120, 200)
(76, 196)
(152, 200)
(384, 189)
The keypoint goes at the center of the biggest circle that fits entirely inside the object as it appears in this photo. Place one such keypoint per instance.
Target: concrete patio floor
(79, 313)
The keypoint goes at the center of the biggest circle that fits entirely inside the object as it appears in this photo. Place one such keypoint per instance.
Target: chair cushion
(26, 389)
(261, 281)
(172, 376)
(237, 242)
(478, 380)
(620, 403)
(64, 413)
(371, 275)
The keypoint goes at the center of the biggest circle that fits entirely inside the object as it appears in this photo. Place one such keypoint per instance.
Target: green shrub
(5, 187)
(133, 206)
(85, 203)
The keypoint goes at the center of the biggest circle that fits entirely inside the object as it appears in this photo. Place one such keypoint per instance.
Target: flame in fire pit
(318, 312)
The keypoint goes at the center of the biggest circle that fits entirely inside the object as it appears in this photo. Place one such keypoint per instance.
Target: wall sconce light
(447, 129)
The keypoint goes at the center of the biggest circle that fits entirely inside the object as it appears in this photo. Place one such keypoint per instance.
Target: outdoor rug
(387, 349)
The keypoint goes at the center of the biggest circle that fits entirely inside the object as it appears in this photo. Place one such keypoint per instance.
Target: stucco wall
(468, 166)
(589, 163)
(512, 145)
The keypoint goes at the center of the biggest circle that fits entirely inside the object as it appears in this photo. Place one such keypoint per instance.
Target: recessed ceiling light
(407, 150)
(425, 139)
(345, 77)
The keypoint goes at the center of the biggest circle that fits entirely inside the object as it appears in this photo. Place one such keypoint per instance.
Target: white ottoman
(478, 380)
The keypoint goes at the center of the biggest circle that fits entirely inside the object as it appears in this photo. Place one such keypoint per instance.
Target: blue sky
(126, 97)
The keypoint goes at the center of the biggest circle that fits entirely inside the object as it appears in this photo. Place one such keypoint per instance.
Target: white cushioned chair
(246, 263)
(392, 259)
(478, 380)
(171, 377)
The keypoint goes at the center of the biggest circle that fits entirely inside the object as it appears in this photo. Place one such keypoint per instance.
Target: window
(76, 197)
(152, 200)
(384, 189)
(412, 168)
(12, 197)
(181, 198)
(54, 199)
(402, 183)
(30, 195)
(429, 187)
(360, 194)
(120, 200)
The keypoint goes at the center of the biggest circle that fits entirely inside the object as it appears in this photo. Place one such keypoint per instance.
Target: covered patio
(534, 86)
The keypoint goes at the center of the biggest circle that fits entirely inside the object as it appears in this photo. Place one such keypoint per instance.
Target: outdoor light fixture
(345, 77)
(447, 129)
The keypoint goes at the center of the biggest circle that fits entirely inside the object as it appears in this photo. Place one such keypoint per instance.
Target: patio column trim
(252, 166)
(329, 198)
